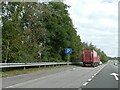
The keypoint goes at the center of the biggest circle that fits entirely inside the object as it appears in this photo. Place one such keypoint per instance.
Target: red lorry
(90, 58)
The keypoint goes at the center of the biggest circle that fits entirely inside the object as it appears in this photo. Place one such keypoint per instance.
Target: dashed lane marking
(93, 76)
(85, 83)
(89, 79)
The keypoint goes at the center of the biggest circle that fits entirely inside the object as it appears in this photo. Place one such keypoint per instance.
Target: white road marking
(30, 81)
(100, 69)
(96, 73)
(115, 75)
(93, 76)
(85, 83)
(74, 68)
(89, 79)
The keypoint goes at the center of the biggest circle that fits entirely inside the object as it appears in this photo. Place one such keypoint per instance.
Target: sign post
(68, 59)
(68, 51)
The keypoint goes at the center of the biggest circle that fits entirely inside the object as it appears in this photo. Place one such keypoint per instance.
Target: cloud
(97, 22)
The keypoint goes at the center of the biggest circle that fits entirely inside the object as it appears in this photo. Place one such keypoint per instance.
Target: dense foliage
(40, 32)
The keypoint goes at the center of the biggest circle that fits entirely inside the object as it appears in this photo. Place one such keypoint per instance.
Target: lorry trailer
(90, 58)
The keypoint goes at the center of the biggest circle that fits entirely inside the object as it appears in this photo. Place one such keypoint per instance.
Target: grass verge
(30, 70)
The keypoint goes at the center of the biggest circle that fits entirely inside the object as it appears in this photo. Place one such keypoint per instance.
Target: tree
(38, 32)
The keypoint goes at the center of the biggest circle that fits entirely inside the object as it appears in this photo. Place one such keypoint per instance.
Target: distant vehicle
(115, 63)
(90, 58)
(100, 63)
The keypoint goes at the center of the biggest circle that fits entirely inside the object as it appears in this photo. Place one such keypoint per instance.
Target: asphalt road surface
(104, 79)
(75, 77)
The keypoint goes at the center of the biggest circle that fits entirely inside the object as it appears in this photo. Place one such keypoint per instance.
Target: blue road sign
(68, 51)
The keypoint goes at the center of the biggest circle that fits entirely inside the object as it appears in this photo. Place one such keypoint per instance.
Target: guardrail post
(53, 65)
(24, 67)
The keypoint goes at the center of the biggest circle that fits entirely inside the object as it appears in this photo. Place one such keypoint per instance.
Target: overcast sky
(97, 22)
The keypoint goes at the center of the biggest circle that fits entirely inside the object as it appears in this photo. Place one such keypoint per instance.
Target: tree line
(40, 32)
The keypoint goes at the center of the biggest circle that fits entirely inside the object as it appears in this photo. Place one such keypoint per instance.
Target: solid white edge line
(43, 78)
(30, 81)
(101, 69)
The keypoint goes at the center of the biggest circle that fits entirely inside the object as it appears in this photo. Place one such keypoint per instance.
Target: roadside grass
(30, 70)
(0, 41)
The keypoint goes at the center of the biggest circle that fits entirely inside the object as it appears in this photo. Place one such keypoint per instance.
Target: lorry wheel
(84, 65)
(93, 64)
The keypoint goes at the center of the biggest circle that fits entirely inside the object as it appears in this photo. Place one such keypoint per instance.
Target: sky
(97, 22)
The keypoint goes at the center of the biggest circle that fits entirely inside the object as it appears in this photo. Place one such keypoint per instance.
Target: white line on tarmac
(93, 76)
(101, 69)
(74, 68)
(96, 73)
(85, 83)
(30, 81)
(89, 79)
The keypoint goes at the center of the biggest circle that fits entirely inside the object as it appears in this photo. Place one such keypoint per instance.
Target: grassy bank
(30, 70)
